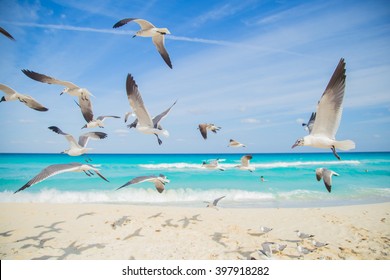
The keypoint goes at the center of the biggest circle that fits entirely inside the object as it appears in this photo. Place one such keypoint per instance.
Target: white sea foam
(280, 164)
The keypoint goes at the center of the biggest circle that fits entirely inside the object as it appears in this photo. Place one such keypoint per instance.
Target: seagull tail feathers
(345, 145)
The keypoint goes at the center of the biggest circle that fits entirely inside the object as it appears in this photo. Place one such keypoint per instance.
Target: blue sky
(255, 68)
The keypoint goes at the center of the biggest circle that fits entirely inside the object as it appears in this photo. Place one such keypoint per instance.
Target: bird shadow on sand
(246, 255)
(187, 221)
(7, 233)
(85, 214)
(155, 216)
(217, 237)
(71, 249)
(48, 229)
(124, 220)
(136, 233)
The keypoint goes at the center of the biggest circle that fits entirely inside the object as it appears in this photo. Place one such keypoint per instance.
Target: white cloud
(250, 120)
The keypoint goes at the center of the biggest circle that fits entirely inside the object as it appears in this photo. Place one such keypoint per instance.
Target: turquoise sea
(290, 179)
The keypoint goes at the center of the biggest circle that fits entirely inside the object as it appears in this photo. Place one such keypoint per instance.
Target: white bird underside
(326, 175)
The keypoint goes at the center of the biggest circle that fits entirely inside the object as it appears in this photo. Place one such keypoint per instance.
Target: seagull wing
(86, 108)
(158, 41)
(328, 178)
(215, 202)
(7, 90)
(49, 171)
(329, 108)
(137, 180)
(102, 118)
(47, 79)
(311, 122)
(203, 130)
(32, 103)
(83, 139)
(158, 118)
(5, 33)
(245, 160)
(136, 102)
(143, 23)
(68, 137)
(319, 174)
(159, 185)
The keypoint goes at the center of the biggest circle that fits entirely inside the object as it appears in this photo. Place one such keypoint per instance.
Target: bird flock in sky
(322, 126)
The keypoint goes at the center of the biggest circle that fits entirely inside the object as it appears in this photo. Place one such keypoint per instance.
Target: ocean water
(290, 179)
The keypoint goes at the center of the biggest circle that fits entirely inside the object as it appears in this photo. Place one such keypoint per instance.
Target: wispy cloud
(250, 120)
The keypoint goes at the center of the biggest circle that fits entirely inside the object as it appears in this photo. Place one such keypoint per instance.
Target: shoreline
(95, 231)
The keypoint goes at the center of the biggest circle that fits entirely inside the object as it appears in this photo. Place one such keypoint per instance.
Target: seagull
(203, 127)
(264, 229)
(159, 181)
(303, 235)
(149, 30)
(303, 250)
(235, 144)
(266, 249)
(82, 93)
(78, 148)
(55, 169)
(214, 203)
(279, 248)
(11, 95)
(145, 123)
(309, 125)
(86, 110)
(318, 244)
(70, 88)
(328, 116)
(5, 33)
(326, 175)
(212, 165)
(128, 114)
(245, 163)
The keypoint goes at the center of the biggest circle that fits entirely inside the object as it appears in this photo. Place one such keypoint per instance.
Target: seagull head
(299, 142)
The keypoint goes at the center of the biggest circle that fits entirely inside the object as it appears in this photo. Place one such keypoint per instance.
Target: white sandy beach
(122, 232)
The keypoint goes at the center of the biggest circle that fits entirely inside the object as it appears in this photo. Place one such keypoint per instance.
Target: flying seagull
(144, 122)
(214, 164)
(214, 203)
(326, 175)
(82, 93)
(55, 169)
(11, 95)
(159, 181)
(328, 116)
(310, 123)
(149, 30)
(80, 147)
(235, 144)
(245, 163)
(88, 115)
(5, 33)
(303, 235)
(203, 127)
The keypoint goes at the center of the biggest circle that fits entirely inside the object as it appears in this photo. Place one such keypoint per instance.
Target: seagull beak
(61, 93)
(134, 36)
(85, 126)
(295, 144)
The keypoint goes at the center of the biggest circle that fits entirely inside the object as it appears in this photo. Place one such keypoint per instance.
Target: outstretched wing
(47, 79)
(330, 106)
(158, 118)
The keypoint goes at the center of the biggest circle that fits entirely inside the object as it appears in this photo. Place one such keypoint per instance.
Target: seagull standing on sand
(159, 181)
(318, 244)
(5, 33)
(149, 30)
(303, 235)
(303, 250)
(264, 229)
(212, 165)
(328, 116)
(214, 203)
(279, 248)
(235, 144)
(78, 148)
(11, 95)
(145, 123)
(203, 127)
(55, 169)
(245, 163)
(326, 175)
